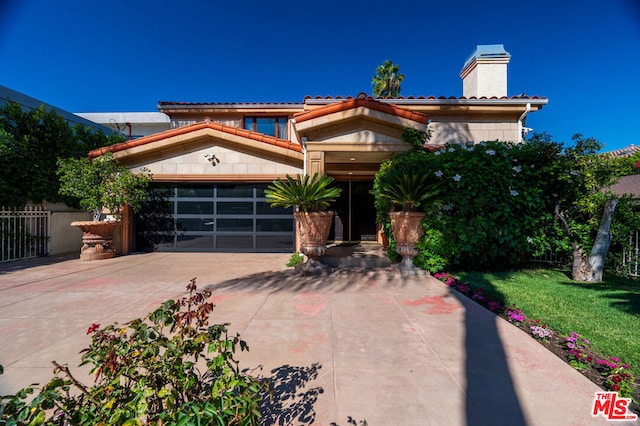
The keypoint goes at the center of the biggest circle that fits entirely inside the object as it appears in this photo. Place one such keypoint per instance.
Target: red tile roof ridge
(400, 98)
(232, 130)
(368, 102)
(163, 103)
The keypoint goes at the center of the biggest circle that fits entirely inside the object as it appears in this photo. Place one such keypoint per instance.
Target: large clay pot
(407, 230)
(97, 239)
(313, 230)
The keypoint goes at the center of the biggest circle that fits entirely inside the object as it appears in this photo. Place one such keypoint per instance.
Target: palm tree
(386, 82)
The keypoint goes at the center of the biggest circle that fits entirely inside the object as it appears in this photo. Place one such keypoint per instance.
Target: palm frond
(306, 193)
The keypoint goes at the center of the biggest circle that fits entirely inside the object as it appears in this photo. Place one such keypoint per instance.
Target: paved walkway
(366, 345)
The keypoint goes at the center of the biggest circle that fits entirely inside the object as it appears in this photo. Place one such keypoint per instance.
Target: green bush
(170, 367)
(497, 207)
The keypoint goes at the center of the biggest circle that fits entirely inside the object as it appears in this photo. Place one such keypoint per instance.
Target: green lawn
(607, 313)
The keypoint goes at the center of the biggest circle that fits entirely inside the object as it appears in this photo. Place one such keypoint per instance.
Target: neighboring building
(627, 185)
(28, 103)
(219, 157)
(132, 125)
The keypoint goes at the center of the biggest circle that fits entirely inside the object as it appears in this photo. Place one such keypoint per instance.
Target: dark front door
(355, 218)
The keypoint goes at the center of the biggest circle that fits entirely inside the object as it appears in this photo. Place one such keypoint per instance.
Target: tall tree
(582, 206)
(386, 83)
(31, 142)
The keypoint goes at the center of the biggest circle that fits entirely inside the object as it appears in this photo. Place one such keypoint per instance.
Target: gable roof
(195, 130)
(359, 102)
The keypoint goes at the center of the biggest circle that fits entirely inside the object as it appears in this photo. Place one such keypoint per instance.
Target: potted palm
(408, 189)
(310, 195)
(101, 185)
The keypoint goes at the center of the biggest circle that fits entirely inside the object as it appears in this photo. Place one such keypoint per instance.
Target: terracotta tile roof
(624, 152)
(521, 96)
(167, 103)
(362, 102)
(206, 124)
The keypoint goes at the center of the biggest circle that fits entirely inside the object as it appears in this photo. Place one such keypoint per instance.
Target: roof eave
(448, 101)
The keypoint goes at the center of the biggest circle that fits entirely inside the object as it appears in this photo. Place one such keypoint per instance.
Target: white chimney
(485, 72)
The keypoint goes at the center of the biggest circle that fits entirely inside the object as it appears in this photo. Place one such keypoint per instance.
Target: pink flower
(495, 306)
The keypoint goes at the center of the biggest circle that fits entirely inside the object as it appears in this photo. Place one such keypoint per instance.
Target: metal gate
(630, 257)
(24, 233)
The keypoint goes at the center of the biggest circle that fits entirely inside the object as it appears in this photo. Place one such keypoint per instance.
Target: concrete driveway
(357, 344)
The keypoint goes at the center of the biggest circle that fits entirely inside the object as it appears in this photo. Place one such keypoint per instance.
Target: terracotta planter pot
(313, 230)
(97, 239)
(407, 230)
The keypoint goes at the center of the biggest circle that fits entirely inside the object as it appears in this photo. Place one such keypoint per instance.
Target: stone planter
(407, 230)
(313, 229)
(97, 239)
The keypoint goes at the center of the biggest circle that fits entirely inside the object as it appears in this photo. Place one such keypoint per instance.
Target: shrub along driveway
(370, 345)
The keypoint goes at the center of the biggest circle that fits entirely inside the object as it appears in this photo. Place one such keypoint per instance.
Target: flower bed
(608, 372)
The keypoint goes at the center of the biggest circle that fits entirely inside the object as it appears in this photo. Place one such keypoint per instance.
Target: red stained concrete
(363, 344)
(439, 306)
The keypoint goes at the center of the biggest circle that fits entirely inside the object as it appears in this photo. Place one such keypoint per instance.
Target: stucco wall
(64, 237)
(456, 132)
(226, 161)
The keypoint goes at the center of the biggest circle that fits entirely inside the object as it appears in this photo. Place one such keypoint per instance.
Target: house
(217, 158)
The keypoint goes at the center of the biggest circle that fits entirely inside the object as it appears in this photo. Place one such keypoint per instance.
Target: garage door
(228, 217)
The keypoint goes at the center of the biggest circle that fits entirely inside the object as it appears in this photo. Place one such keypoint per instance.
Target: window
(228, 217)
(272, 126)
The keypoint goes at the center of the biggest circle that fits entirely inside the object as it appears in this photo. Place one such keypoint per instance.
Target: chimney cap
(487, 51)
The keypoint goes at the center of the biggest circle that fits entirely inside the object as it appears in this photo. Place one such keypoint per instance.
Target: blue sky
(126, 55)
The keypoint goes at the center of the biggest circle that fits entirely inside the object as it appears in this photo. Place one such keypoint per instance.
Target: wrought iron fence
(631, 255)
(24, 233)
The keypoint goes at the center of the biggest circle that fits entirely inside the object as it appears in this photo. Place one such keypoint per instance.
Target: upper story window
(272, 126)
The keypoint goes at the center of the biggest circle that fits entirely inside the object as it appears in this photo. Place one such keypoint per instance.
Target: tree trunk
(590, 269)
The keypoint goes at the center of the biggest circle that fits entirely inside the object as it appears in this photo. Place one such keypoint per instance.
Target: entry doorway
(355, 218)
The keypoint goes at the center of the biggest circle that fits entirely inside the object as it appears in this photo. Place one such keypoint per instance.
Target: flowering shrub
(540, 331)
(496, 213)
(515, 316)
(618, 376)
(150, 370)
(575, 345)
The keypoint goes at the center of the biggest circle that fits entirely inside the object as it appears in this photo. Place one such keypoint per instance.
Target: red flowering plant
(575, 346)
(170, 367)
(618, 376)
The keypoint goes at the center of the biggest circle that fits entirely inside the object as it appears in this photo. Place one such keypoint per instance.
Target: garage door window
(229, 217)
